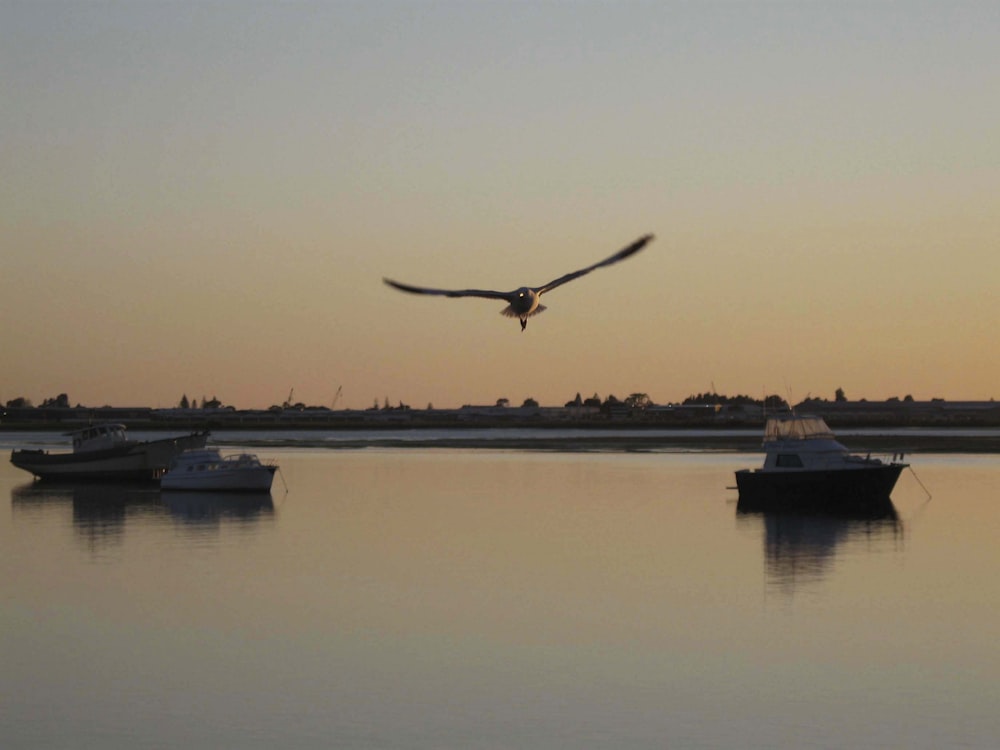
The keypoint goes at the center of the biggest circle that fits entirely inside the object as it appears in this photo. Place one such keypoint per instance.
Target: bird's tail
(510, 312)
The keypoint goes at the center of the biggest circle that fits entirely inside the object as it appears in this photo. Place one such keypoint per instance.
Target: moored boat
(105, 451)
(806, 468)
(207, 470)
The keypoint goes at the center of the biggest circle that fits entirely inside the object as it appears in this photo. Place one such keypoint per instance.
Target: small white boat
(207, 470)
(805, 467)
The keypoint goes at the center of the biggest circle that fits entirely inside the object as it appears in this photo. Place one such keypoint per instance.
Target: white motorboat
(105, 451)
(207, 470)
(805, 467)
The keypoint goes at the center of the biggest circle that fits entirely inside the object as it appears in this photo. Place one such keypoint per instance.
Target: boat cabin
(99, 437)
(794, 443)
(209, 459)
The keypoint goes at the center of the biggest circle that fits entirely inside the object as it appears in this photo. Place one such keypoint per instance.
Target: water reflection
(800, 548)
(101, 512)
(212, 508)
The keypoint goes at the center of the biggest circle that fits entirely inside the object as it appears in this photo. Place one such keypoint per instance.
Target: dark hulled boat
(105, 451)
(806, 468)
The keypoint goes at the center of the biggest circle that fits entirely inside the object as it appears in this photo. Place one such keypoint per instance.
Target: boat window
(788, 461)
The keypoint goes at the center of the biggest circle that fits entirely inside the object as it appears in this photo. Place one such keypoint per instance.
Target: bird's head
(525, 300)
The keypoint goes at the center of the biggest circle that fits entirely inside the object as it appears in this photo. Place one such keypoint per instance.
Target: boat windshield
(797, 428)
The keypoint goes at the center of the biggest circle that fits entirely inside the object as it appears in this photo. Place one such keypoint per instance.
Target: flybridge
(791, 427)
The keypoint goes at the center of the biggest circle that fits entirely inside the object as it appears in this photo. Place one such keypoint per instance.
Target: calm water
(418, 598)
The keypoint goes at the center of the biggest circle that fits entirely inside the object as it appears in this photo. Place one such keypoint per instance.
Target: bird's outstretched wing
(487, 293)
(620, 255)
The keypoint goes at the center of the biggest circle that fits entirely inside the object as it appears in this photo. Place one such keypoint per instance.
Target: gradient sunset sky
(202, 198)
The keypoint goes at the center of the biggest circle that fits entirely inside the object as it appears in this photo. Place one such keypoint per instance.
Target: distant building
(896, 411)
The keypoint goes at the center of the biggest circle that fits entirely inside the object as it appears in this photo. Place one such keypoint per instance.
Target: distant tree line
(59, 402)
(206, 403)
(643, 401)
(632, 401)
(718, 399)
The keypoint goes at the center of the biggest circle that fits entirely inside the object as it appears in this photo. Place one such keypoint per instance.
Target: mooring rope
(920, 483)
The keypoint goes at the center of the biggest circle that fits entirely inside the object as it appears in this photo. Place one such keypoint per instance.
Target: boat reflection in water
(102, 512)
(99, 510)
(214, 507)
(800, 547)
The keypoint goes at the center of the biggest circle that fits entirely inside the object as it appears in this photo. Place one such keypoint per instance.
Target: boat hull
(134, 460)
(252, 479)
(829, 490)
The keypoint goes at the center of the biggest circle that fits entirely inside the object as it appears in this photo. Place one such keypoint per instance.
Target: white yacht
(208, 470)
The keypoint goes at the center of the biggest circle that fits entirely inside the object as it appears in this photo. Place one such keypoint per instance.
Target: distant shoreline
(618, 438)
(889, 427)
(638, 443)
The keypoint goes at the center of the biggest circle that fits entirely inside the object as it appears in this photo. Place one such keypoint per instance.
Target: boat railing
(246, 459)
(839, 456)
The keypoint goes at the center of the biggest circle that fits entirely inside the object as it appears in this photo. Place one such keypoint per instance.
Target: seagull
(524, 302)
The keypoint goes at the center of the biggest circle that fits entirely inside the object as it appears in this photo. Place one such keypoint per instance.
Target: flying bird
(524, 302)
